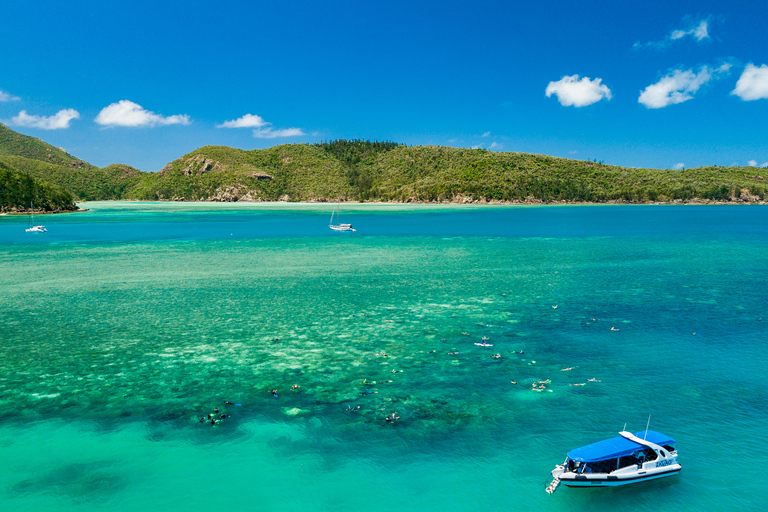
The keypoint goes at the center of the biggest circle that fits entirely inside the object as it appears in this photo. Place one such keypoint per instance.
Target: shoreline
(79, 210)
(464, 202)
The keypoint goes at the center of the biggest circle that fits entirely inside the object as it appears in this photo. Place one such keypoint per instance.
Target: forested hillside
(360, 170)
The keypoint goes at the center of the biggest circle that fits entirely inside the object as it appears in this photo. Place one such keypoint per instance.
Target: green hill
(376, 171)
(371, 171)
(84, 181)
(18, 190)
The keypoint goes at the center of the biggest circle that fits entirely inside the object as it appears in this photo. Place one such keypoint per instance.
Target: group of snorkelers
(216, 416)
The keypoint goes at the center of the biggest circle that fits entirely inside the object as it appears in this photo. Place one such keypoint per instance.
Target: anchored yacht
(627, 459)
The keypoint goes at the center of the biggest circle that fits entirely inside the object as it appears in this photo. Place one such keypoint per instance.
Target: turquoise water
(123, 325)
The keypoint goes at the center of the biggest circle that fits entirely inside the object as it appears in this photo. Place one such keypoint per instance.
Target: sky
(657, 84)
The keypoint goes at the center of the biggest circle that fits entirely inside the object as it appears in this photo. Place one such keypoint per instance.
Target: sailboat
(39, 228)
(339, 226)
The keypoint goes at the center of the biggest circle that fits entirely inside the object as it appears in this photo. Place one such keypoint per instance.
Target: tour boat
(627, 459)
(39, 228)
(339, 226)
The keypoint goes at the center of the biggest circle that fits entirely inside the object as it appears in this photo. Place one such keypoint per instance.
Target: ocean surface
(124, 325)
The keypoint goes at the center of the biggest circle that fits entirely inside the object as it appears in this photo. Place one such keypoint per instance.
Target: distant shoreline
(46, 213)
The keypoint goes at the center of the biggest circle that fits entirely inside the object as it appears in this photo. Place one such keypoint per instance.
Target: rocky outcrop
(194, 166)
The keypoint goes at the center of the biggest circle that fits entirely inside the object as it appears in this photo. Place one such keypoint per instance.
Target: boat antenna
(625, 428)
(646, 427)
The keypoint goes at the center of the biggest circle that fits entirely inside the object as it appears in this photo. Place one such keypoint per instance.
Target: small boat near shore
(627, 459)
(339, 226)
(33, 228)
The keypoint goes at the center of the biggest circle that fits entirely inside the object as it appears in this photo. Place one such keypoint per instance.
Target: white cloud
(698, 30)
(55, 122)
(128, 113)
(263, 129)
(679, 86)
(4, 96)
(753, 83)
(494, 145)
(702, 31)
(270, 133)
(680, 165)
(247, 121)
(571, 91)
(486, 134)
(753, 163)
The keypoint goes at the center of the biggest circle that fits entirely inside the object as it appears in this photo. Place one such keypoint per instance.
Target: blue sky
(640, 84)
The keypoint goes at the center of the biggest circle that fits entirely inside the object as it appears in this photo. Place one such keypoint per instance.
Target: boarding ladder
(552, 487)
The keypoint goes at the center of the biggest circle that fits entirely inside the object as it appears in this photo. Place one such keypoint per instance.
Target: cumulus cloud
(4, 96)
(753, 163)
(128, 113)
(753, 83)
(247, 121)
(57, 121)
(270, 133)
(572, 92)
(678, 86)
(679, 166)
(697, 29)
(486, 134)
(264, 129)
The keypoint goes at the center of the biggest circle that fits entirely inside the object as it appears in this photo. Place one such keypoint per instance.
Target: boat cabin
(617, 453)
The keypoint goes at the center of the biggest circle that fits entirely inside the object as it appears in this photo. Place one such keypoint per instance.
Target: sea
(123, 327)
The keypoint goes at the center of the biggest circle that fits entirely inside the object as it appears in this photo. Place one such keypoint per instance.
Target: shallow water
(124, 324)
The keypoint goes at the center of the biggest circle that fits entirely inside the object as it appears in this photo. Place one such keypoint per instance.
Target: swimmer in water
(216, 410)
(227, 402)
(295, 386)
(496, 356)
(567, 369)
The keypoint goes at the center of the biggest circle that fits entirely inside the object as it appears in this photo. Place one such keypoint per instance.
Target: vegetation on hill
(19, 190)
(15, 144)
(84, 181)
(373, 171)
(296, 172)
(359, 170)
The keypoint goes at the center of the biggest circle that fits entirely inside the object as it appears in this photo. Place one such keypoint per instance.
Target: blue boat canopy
(616, 447)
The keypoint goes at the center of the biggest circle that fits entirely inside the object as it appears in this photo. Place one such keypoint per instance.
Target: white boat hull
(609, 480)
(341, 228)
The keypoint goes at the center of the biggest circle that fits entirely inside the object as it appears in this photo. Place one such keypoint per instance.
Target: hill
(18, 190)
(376, 171)
(373, 171)
(84, 181)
